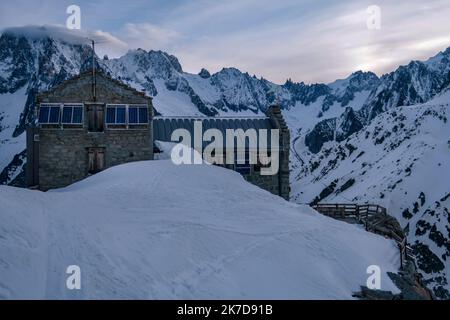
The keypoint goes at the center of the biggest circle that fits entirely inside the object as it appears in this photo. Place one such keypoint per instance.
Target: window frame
(73, 106)
(127, 125)
(61, 124)
(49, 106)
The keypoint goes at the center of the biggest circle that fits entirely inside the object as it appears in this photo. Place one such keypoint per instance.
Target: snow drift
(155, 230)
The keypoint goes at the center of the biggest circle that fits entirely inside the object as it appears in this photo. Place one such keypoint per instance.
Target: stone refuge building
(278, 183)
(88, 124)
(84, 129)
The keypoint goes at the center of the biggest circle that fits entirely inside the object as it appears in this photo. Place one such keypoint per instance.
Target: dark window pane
(143, 115)
(111, 115)
(43, 114)
(77, 115)
(54, 115)
(120, 115)
(243, 168)
(67, 115)
(133, 115)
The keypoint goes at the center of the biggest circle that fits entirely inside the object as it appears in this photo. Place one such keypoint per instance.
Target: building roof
(88, 74)
(163, 127)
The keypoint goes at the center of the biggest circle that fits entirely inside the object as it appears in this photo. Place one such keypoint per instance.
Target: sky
(304, 40)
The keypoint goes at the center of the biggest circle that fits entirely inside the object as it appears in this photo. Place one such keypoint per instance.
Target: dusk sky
(310, 40)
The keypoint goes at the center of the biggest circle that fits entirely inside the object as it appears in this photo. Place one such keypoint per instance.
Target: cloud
(148, 36)
(133, 36)
(106, 43)
(309, 40)
(330, 43)
(67, 35)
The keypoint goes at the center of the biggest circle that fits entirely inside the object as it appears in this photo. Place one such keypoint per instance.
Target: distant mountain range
(352, 139)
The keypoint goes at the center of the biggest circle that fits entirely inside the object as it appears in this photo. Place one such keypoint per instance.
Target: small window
(116, 114)
(77, 115)
(120, 115)
(111, 115)
(137, 115)
(133, 115)
(67, 114)
(54, 114)
(43, 114)
(49, 114)
(72, 114)
(143, 115)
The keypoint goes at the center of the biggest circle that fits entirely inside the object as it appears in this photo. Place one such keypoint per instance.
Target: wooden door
(96, 160)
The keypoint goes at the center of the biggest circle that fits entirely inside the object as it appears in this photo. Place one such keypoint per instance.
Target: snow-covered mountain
(34, 61)
(401, 161)
(29, 63)
(350, 130)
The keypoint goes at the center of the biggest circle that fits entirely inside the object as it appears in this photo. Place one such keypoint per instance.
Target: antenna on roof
(94, 77)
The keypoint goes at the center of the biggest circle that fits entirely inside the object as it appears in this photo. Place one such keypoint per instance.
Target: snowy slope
(401, 161)
(212, 236)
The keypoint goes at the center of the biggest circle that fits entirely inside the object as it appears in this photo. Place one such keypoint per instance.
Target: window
(72, 114)
(110, 115)
(143, 115)
(137, 115)
(116, 114)
(54, 114)
(133, 115)
(43, 114)
(49, 114)
(77, 115)
(119, 116)
(67, 114)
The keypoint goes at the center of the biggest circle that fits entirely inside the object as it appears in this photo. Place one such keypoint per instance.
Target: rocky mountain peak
(204, 73)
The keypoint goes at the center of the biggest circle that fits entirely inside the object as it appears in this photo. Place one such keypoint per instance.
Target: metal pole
(94, 80)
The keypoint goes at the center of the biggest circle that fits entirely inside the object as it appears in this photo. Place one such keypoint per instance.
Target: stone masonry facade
(279, 183)
(59, 154)
(63, 152)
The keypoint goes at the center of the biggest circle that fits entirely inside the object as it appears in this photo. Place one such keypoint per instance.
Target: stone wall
(63, 152)
(269, 183)
(279, 183)
(79, 89)
(274, 113)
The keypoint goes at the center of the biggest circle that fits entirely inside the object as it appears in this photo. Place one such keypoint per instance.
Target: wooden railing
(373, 217)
